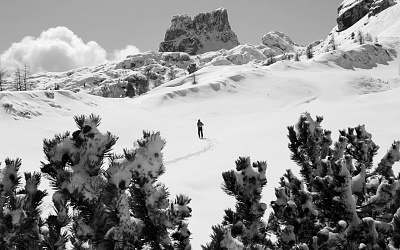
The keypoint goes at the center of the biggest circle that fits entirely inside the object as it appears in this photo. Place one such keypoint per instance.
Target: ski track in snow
(211, 145)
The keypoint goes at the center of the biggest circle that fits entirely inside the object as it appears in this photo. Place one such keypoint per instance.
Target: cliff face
(208, 31)
(351, 11)
(379, 5)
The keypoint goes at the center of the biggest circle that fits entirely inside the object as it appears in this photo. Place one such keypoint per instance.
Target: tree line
(20, 78)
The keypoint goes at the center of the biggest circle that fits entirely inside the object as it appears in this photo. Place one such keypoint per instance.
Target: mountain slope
(245, 110)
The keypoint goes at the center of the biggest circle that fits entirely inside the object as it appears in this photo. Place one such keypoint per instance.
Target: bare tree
(3, 74)
(17, 78)
(25, 77)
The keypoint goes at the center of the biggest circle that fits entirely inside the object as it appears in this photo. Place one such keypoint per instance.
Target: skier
(200, 129)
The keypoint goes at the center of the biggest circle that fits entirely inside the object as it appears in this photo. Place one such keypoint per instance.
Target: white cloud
(123, 53)
(56, 49)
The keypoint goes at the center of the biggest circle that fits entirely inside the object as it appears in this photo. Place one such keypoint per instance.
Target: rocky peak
(208, 31)
(351, 11)
(217, 19)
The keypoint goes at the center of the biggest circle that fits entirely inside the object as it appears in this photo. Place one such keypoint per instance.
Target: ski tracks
(211, 144)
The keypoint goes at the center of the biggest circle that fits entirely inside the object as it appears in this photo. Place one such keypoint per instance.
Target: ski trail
(211, 144)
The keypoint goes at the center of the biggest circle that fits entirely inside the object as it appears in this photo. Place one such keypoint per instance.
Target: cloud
(56, 49)
(123, 53)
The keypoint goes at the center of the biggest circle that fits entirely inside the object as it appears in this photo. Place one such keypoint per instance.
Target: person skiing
(200, 129)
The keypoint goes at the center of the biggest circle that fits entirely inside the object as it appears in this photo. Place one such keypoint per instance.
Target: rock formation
(206, 32)
(279, 42)
(379, 5)
(351, 11)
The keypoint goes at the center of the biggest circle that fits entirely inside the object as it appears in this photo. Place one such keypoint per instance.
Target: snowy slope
(381, 28)
(245, 110)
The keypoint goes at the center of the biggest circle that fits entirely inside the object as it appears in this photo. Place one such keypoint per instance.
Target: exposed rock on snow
(181, 59)
(351, 11)
(279, 42)
(206, 32)
(365, 56)
(139, 60)
(379, 5)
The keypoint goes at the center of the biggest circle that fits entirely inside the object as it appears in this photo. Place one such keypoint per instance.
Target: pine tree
(339, 202)
(130, 90)
(142, 86)
(296, 57)
(332, 42)
(360, 37)
(20, 221)
(149, 75)
(120, 207)
(171, 73)
(243, 228)
(368, 37)
(192, 68)
(270, 59)
(309, 52)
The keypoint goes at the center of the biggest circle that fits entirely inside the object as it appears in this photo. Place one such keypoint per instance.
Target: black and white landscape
(245, 94)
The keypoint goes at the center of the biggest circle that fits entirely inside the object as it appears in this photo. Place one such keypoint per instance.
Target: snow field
(245, 110)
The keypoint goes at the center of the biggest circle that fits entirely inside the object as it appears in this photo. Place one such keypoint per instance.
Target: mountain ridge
(110, 79)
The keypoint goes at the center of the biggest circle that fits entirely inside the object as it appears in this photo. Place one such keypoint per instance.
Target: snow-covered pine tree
(74, 169)
(163, 221)
(243, 228)
(339, 203)
(121, 207)
(20, 222)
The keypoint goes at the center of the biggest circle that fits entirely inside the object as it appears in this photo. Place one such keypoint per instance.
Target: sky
(60, 35)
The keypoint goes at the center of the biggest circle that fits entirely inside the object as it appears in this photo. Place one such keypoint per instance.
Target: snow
(246, 115)
(246, 110)
(358, 181)
(231, 243)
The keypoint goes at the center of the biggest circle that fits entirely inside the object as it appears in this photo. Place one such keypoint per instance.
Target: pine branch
(230, 185)
(80, 121)
(216, 237)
